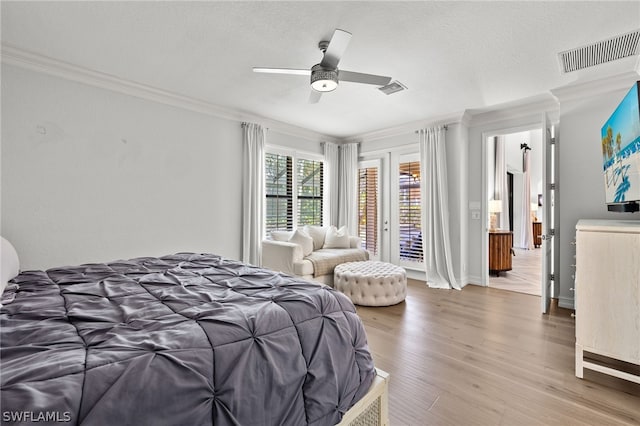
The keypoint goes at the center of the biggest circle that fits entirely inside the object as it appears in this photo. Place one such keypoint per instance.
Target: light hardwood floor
(483, 356)
(525, 275)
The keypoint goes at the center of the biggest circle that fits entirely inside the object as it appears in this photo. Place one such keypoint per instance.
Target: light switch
(474, 205)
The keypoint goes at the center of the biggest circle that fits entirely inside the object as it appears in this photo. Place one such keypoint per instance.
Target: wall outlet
(475, 215)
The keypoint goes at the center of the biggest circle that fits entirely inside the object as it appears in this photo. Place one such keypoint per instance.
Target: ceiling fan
(325, 76)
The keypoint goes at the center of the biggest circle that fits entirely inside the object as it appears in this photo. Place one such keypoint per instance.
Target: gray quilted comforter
(186, 339)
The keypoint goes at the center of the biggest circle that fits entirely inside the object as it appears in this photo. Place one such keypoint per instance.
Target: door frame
(484, 202)
(534, 125)
(550, 240)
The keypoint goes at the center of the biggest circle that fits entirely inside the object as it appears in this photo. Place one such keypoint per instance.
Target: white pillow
(281, 235)
(337, 238)
(318, 234)
(303, 240)
(10, 263)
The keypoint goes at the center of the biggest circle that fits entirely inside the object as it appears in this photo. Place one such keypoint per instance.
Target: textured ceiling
(451, 55)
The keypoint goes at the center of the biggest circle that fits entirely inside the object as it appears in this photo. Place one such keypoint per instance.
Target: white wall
(293, 143)
(92, 175)
(582, 193)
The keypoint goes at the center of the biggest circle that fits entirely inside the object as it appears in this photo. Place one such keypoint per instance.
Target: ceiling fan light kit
(323, 80)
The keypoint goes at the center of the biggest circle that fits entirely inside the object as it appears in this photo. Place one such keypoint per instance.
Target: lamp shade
(495, 206)
(534, 207)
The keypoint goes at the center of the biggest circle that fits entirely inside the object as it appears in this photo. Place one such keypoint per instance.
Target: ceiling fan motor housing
(322, 79)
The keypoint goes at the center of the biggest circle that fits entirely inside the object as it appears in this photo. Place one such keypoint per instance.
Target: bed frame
(373, 408)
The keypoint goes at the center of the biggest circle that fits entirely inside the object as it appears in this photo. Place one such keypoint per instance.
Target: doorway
(389, 208)
(510, 191)
(520, 214)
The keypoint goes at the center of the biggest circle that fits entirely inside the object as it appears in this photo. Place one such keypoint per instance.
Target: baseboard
(475, 280)
(566, 302)
(415, 274)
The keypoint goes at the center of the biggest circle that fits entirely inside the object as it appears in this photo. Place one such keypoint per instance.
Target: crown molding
(403, 129)
(590, 88)
(46, 65)
(529, 107)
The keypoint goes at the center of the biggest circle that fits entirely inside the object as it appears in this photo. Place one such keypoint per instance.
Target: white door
(370, 217)
(406, 217)
(549, 137)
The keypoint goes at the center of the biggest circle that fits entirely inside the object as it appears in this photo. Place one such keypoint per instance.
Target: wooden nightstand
(500, 243)
(537, 234)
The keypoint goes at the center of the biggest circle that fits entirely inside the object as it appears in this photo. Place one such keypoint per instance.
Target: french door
(406, 219)
(389, 208)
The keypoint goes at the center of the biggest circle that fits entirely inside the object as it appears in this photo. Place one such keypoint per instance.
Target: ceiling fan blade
(314, 97)
(337, 46)
(358, 77)
(282, 71)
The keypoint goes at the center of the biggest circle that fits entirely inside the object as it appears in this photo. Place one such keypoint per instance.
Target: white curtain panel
(526, 231)
(348, 192)
(253, 136)
(436, 242)
(500, 182)
(332, 182)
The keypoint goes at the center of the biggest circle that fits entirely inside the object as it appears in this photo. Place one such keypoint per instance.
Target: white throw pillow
(318, 234)
(337, 238)
(281, 235)
(303, 240)
(10, 263)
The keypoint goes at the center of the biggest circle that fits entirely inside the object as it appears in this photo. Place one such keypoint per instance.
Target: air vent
(612, 49)
(393, 87)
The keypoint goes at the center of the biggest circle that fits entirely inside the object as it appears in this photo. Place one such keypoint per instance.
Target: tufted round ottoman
(371, 283)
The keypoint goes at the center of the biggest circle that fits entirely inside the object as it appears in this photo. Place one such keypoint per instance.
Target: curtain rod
(244, 124)
(338, 143)
(446, 127)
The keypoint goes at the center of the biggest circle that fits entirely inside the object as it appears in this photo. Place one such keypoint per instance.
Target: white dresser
(607, 297)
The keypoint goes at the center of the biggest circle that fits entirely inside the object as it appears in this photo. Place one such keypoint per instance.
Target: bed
(183, 339)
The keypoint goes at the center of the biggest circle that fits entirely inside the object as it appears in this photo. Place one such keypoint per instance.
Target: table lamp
(495, 206)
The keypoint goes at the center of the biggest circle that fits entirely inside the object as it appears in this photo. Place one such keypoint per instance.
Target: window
(279, 192)
(409, 212)
(368, 208)
(310, 182)
(292, 200)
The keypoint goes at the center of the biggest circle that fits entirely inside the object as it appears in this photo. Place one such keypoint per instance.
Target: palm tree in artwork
(607, 150)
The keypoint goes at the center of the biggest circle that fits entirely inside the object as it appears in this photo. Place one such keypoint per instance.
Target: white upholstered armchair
(311, 252)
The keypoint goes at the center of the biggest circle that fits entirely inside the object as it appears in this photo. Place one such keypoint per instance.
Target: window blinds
(310, 180)
(284, 190)
(410, 233)
(368, 208)
(279, 192)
